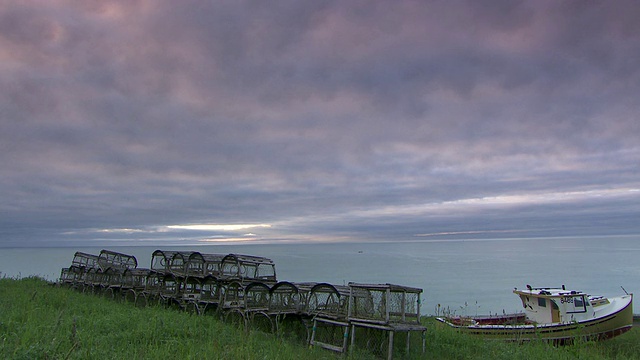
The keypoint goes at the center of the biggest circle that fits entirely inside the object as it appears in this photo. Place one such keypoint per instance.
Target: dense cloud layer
(327, 120)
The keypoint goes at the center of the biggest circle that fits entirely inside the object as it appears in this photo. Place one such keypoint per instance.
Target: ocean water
(466, 276)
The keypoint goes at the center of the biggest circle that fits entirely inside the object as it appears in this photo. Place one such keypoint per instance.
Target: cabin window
(542, 302)
(578, 305)
(578, 302)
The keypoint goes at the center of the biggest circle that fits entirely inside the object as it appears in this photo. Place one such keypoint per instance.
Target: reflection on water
(478, 273)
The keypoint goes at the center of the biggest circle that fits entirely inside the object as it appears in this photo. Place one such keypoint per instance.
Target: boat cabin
(555, 305)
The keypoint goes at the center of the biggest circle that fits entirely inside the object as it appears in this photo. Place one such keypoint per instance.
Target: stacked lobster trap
(244, 289)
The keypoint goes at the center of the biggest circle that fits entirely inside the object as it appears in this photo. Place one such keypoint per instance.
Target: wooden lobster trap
(71, 276)
(116, 260)
(381, 311)
(134, 282)
(327, 304)
(168, 261)
(84, 260)
(199, 264)
(152, 288)
(247, 268)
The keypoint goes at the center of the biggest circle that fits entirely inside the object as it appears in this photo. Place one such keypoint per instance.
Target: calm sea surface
(470, 276)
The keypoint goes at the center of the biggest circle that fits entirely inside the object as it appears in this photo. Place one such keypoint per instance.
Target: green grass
(41, 321)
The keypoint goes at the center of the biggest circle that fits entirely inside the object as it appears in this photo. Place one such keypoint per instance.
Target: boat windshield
(574, 304)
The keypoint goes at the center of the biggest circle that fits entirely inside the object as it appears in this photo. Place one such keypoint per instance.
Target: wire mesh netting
(285, 298)
(257, 296)
(403, 306)
(368, 304)
(384, 303)
(327, 300)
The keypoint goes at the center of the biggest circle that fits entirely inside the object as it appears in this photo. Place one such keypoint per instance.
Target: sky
(205, 122)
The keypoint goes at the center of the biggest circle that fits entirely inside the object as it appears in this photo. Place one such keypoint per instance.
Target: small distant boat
(553, 314)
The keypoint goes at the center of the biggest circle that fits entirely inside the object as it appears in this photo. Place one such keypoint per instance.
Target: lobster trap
(380, 312)
(242, 289)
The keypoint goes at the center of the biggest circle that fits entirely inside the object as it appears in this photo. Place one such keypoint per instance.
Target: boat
(557, 315)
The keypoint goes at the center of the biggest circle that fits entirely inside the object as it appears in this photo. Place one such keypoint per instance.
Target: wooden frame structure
(134, 282)
(111, 282)
(112, 259)
(210, 296)
(84, 260)
(328, 304)
(328, 301)
(151, 292)
(244, 289)
(71, 276)
(247, 268)
(179, 263)
(386, 308)
(161, 260)
(199, 264)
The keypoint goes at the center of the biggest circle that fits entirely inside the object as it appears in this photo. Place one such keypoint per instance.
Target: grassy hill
(42, 321)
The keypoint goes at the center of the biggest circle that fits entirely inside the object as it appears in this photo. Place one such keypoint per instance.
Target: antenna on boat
(625, 291)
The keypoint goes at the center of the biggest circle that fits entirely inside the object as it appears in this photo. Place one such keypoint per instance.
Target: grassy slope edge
(40, 321)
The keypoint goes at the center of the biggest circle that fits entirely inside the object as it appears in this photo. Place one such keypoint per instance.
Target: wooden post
(349, 305)
(403, 305)
(313, 332)
(390, 352)
(408, 341)
(353, 337)
(345, 338)
(387, 305)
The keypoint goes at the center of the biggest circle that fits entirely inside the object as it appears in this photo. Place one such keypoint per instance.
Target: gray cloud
(316, 117)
